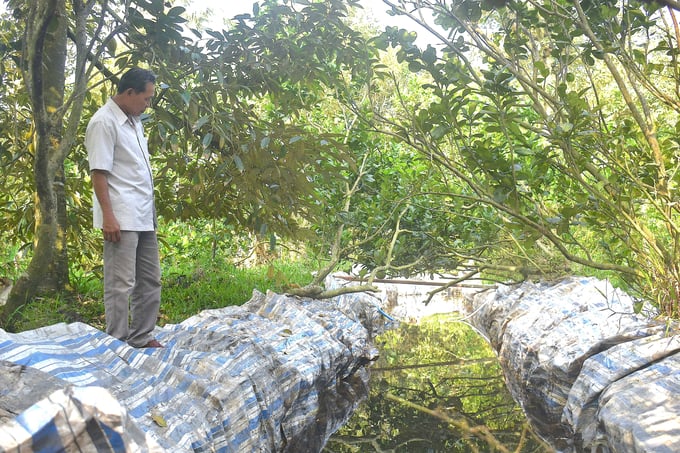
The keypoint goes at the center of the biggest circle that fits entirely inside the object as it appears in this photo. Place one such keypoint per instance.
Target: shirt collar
(120, 115)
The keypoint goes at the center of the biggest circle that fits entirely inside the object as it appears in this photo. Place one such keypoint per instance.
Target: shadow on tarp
(589, 373)
(278, 374)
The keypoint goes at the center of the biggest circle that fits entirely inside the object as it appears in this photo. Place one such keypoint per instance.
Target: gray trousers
(132, 286)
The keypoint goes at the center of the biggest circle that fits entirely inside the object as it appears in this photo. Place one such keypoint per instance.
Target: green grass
(190, 291)
(188, 288)
(201, 269)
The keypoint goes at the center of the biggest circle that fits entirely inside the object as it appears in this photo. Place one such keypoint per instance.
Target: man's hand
(111, 228)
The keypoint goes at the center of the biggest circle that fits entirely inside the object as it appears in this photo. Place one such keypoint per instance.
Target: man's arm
(110, 226)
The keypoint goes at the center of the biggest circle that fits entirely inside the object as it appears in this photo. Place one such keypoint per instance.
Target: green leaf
(186, 97)
(201, 121)
(207, 139)
(430, 55)
(159, 420)
(238, 162)
(439, 131)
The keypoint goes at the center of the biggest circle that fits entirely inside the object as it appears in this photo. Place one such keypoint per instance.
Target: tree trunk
(45, 55)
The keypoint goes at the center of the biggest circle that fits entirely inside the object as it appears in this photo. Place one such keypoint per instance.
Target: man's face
(138, 102)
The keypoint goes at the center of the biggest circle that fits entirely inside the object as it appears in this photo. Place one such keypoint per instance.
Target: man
(125, 212)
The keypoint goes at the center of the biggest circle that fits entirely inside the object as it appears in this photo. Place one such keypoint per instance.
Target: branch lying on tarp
(319, 292)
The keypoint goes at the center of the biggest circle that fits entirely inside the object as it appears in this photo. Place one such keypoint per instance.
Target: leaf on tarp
(159, 420)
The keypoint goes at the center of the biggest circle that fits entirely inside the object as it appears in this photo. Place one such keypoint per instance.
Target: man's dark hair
(136, 78)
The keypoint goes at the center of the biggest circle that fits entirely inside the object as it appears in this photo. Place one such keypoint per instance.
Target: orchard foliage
(536, 138)
(223, 124)
(562, 116)
(228, 130)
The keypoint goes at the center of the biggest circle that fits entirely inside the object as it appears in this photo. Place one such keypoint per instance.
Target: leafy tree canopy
(538, 135)
(561, 116)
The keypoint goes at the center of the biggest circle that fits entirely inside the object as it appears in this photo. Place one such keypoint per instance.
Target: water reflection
(437, 387)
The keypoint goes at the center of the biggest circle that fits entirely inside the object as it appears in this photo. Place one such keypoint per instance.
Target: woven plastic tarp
(278, 374)
(590, 374)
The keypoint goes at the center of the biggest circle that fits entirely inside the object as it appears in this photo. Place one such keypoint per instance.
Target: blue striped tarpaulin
(278, 374)
(590, 373)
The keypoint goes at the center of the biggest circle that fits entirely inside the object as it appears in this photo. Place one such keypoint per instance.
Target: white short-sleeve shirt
(115, 143)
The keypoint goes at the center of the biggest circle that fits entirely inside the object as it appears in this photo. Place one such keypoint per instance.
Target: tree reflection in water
(437, 387)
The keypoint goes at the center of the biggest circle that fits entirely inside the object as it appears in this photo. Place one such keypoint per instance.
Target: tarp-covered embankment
(590, 374)
(278, 374)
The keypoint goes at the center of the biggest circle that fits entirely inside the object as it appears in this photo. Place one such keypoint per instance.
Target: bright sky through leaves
(374, 10)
